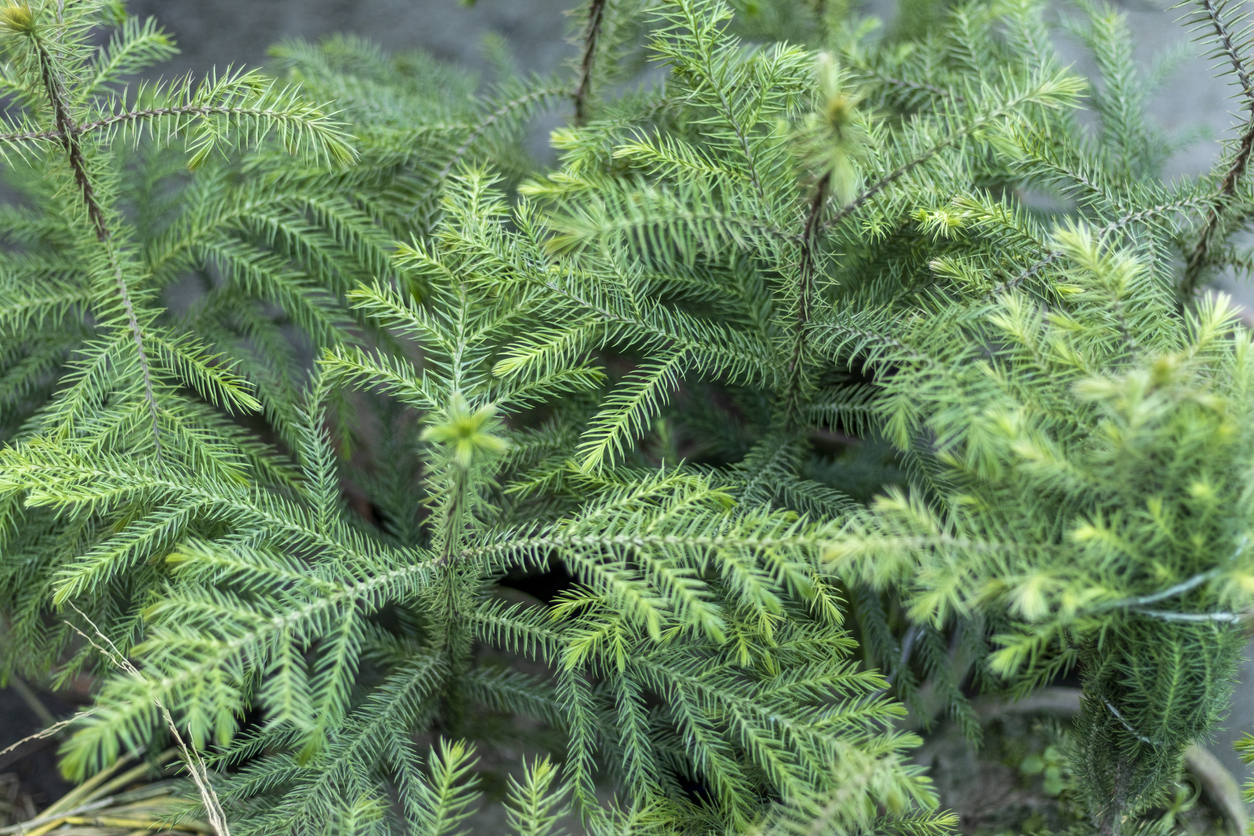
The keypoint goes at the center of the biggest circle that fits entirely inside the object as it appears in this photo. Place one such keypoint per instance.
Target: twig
(39, 824)
(943, 144)
(809, 241)
(50, 731)
(68, 134)
(887, 180)
(102, 785)
(1110, 816)
(1138, 604)
(920, 86)
(907, 645)
(592, 34)
(1200, 256)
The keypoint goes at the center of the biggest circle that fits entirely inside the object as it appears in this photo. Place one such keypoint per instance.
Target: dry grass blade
(153, 809)
(51, 731)
(191, 757)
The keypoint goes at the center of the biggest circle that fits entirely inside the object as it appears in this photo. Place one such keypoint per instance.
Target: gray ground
(239, 31)
(219, 32)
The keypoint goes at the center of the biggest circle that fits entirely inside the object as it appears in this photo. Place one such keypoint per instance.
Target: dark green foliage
(296, 429)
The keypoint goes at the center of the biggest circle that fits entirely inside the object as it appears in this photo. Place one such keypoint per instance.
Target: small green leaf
(1053, 781)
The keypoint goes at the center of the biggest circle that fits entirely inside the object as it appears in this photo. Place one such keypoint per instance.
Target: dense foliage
(828, 373)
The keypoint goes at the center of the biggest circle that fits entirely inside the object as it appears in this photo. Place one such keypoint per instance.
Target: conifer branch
(807, 265)
(69, 137)
(503, 110)
(699, 545)
(1199, 258)
(907, 84)
(1047, 91)
(1227, 43)
(704, 64)
(1127, 220)
(146, 114)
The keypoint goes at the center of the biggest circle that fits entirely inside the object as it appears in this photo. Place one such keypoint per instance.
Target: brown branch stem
(809, 239)
(69, 137)
(1200, 257)
(806, 268)
(591, 35)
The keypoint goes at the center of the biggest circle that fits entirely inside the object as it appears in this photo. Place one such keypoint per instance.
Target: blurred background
(217, 33)
(220, 32)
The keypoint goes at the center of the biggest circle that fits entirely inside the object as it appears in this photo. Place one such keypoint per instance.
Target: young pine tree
(797, 269)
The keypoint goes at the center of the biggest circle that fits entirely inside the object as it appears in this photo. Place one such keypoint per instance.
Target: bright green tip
(18, 18)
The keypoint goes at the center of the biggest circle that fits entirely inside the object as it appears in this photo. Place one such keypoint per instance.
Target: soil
(29, 779)
(1000, 786)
